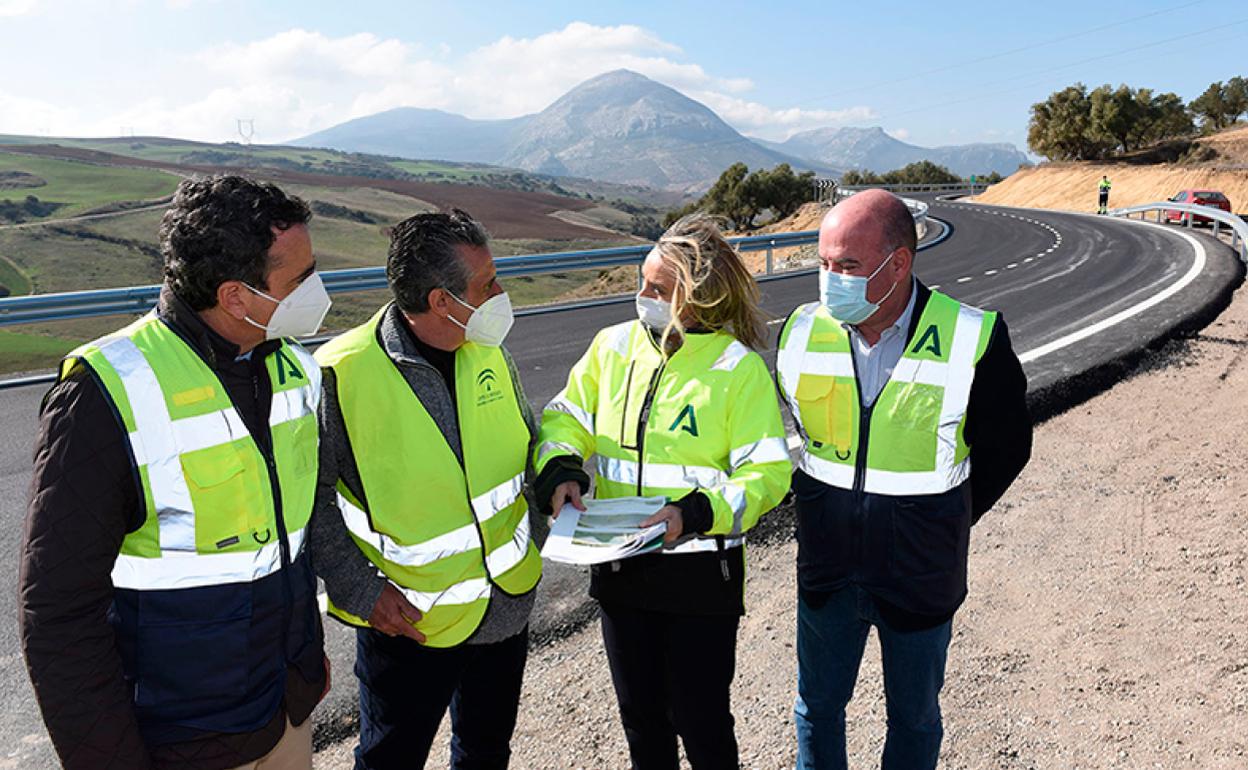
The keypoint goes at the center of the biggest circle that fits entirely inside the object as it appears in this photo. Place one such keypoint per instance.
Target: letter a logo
(933, 346)
(692, 427)
(286, 368)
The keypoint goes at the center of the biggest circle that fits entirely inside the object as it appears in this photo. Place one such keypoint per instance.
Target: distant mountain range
(626, 128)
(871, 149)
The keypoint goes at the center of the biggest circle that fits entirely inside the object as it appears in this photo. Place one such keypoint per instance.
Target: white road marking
(990, 272)
(964, 279)
(1197, 266)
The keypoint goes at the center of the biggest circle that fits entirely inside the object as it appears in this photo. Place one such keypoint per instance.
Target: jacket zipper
(860, 460)
(283, 542)
(643, 419)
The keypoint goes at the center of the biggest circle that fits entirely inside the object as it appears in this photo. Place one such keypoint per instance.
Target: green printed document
(607, 530)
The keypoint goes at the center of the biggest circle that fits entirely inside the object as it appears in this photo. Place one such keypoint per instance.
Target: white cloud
(23, 115)
(17, 7)
(899, 133)
(300, 81)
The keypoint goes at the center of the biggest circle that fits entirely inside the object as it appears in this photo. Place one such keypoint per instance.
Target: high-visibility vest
(442, 532)
(1104, 185)
(211, 513)
(207, 609)
(706, 419)
(911, 441)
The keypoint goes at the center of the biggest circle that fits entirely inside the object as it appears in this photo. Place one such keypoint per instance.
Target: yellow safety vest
(912, 443)
(211, 514)
(706, 419)
(441, 532)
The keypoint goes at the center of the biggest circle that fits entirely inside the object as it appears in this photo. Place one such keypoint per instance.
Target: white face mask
(299, 314)
(489, 322)
(655, 314)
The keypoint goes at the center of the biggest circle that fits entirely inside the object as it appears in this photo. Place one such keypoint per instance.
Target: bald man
(912, 409)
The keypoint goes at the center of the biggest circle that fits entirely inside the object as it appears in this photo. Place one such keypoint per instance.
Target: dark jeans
(405, 689)
(831, 634)
(672, 676)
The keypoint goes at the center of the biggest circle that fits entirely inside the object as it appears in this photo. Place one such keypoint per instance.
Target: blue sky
(929, 73)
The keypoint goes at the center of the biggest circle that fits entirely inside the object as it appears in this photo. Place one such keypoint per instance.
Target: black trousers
(405, 689)
(672, 676)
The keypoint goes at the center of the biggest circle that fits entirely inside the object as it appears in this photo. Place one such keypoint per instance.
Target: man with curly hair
(168, 606)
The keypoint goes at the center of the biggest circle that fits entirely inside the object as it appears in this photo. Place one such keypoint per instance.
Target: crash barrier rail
(918, 209)
(1220, 218)
(40, 308)
(978, 187)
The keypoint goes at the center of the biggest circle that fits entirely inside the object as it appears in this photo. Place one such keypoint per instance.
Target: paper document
(605, 531)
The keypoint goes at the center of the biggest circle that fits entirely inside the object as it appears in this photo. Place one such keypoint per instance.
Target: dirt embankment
(1073, 186)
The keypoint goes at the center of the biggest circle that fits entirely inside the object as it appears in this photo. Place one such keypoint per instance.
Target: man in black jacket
(207, 653)
(913, 413)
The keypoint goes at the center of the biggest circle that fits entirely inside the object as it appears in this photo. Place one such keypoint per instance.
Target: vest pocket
(224, 482)
(192, 653)
(814, 403)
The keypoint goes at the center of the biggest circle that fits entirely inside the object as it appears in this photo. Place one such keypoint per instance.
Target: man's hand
(675, 522)
(567, 492)
(393, 615)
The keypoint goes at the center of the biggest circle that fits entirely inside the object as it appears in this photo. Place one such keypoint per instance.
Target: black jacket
(910, 552)
(85, 498)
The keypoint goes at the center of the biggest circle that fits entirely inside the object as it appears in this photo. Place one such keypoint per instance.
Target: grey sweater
(352, 582)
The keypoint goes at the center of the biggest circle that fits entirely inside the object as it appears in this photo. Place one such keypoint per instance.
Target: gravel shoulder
(1107, 624)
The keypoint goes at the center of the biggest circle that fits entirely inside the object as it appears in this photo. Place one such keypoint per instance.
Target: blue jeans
(831, 636)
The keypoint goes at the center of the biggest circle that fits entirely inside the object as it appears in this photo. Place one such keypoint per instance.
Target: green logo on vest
(692, 427)
(933, 346)
(286, 368)
(487, 390)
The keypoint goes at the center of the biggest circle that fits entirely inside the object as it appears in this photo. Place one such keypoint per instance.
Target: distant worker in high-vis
(913, 418)
(1102, 198)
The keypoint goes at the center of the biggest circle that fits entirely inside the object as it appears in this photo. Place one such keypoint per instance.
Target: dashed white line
(964, 279)
(990, 272)
(1011, 266)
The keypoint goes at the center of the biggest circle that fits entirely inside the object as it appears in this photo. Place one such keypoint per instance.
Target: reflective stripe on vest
(444, 533)
(688, 441)
(199, 465)
(930, 386)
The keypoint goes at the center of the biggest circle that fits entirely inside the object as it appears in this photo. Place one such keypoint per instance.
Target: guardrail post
(770, 244)
(1215, 228)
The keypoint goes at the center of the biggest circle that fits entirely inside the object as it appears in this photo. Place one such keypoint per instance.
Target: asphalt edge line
(1196, 269)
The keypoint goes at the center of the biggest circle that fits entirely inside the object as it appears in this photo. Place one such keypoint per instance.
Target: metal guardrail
(1239, 228)
(39, 308)
(978, 187)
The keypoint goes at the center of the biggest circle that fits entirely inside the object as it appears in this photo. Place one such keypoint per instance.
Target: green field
(84, 186)
(22, 351)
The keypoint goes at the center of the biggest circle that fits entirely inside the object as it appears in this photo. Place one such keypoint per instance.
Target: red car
(1198, 198)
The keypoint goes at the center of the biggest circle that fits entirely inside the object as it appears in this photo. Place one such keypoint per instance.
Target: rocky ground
(1107, 625)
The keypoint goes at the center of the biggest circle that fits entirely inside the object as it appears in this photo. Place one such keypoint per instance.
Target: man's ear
(439, 300)
(903, 261)
(232, 298)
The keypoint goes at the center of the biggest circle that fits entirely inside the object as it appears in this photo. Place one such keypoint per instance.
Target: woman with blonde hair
(677, 404)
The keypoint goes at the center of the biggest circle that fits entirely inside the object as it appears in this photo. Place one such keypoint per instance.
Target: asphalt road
(1050, 274)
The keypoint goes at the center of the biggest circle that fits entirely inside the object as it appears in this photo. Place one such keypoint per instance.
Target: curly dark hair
(220, 229)
(423, 256)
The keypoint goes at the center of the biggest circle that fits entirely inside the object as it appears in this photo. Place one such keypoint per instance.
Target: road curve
(1049, 273)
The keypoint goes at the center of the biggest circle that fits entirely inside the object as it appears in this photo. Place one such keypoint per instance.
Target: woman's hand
(675, 522)
(567, 492)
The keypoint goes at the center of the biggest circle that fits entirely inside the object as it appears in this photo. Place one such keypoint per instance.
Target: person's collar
(398, 339)
(190, 326)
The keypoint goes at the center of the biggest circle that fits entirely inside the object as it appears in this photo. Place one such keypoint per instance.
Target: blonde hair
(712, 282)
